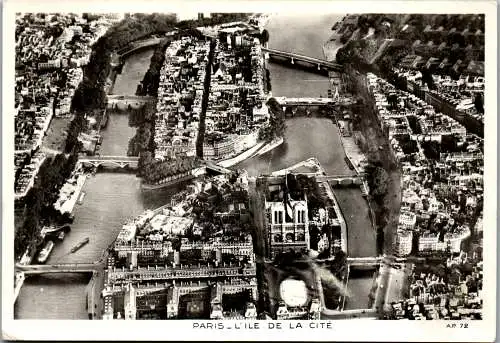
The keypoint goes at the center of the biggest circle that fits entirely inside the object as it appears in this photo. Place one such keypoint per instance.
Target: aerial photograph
(248, 166)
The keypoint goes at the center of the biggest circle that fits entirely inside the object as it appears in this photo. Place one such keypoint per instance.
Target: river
(132, 73)
(111, 198)
(359, 286)
(116, 135)
(361, 238)
(323, 142)
(302, 34)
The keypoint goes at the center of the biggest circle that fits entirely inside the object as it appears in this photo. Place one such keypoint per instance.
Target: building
(312, 312)
(407, 220)
(403, 242)
(429, 242)
(185, 299)
(168, 263)
(286, 219)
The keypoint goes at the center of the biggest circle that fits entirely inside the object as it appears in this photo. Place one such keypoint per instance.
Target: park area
(55, 137)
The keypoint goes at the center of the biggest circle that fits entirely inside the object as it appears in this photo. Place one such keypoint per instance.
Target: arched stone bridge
(111, 161)
(125, 100)
(285, 101)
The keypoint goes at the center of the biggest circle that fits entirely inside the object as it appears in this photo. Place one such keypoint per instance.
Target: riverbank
(254, 151)
(257, 150)
(378, 150)
(70, 192)
(344, 236)
(95, 307)
(310, 166)
(356, 158)
(18, 284)
(333, 44)
(351, 150)
(270, 146)
(170, 181)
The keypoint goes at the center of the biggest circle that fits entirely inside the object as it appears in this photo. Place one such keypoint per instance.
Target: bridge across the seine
(315, 62)
(143, 98)
(370, 261)
(332, 179)
(215, 167)
(126, 100)
(285, 101)
(34, 269)
(130, 162)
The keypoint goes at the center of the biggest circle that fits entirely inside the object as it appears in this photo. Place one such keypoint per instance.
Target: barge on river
(45, 253)
(79, 245)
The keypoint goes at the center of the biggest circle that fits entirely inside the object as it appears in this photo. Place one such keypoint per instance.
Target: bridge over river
(126, 100)
(370, 261)
(293, 57)
(36, 269)
(286, 101)
(130, 162)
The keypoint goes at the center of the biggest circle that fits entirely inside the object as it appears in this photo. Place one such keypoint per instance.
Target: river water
(305, 35)
(132, 73)
(323, 142)
(111, 198)
(116, 135)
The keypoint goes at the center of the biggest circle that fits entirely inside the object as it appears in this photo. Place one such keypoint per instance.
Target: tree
(392, 99)
(344, 53)
(428, 80)
(479, 103)
(386, 65)
(151, 80)
(377, 178)
(264, 37)
(204, 102)
(277, 126)
(314, 236)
